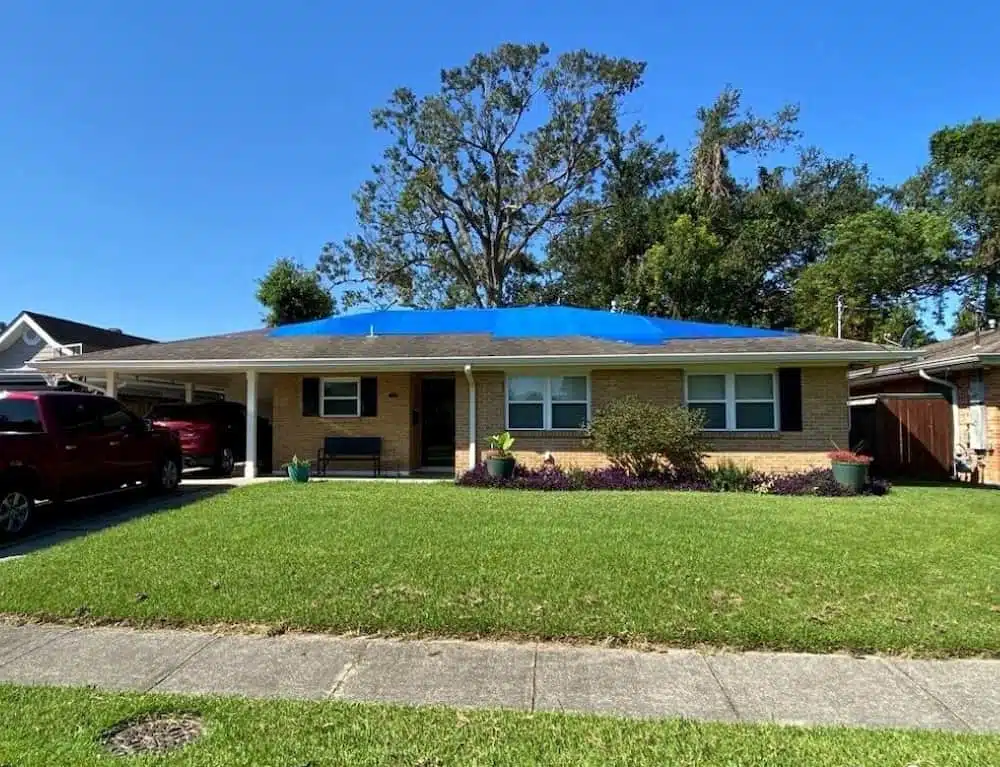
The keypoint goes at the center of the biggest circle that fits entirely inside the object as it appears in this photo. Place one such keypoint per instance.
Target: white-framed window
(340, 398)
(734, 401)
(548, 403)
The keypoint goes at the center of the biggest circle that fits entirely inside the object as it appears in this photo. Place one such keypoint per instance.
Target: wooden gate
(909, 435)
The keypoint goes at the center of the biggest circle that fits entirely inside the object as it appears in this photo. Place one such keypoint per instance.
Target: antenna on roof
(906, 341)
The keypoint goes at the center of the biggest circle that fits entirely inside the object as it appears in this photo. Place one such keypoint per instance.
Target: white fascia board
(458, 363)
(22, 320)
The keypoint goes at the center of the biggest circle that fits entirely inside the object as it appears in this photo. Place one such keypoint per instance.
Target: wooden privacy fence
(909, 435)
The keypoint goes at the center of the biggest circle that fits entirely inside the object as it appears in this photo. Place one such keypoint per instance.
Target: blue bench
(351, 449)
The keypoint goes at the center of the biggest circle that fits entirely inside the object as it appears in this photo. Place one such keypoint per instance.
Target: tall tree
(480, 174)
(962, 181)
(292, 293)
(881, 263)
(594, 260)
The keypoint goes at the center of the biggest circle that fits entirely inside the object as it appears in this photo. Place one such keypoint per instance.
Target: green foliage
(880, 262)
(729, 477)
(643, 438)
(962, 182)
(298, 463)
(512, 145)
(292, 293)
(502, 444)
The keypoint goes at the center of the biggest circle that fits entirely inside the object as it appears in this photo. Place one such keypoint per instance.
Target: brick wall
(824, 406)
(301, 435)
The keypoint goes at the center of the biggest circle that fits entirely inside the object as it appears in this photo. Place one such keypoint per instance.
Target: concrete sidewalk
(726, 687)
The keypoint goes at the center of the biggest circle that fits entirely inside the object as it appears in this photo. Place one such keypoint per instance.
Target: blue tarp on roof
(520, 322)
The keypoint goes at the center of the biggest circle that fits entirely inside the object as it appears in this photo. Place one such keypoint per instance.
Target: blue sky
(155, 158)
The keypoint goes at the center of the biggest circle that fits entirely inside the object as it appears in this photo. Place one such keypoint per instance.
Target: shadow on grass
(56, 524)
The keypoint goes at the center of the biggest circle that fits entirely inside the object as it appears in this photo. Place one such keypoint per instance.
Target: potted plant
(501, 463)
(850, 469)
(298, 469)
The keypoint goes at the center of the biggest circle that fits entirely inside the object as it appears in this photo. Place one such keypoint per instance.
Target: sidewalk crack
(893, 668)
(722, 688)
(183, 663)
(33, 648)
(348, 671)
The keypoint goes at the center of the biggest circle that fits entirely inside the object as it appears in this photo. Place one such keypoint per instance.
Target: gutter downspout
(472, 416)
(954, 415)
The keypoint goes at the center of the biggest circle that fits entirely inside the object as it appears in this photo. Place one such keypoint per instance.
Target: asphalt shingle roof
(259, 345)
(90, 337)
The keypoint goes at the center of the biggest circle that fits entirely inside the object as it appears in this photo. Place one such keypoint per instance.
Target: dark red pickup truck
(64, 445)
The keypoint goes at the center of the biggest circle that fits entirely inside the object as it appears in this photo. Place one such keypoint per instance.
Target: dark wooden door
(913, 437)
(437, 422)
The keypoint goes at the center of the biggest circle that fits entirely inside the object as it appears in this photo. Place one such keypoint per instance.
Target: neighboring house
(964, 372)
(32, 337)
(435, 384)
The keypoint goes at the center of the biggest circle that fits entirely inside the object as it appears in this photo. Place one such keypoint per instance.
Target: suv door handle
(114, 443)
(70, 447)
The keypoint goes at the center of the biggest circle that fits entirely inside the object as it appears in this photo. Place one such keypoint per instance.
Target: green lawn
(918, 570)
(46, 726)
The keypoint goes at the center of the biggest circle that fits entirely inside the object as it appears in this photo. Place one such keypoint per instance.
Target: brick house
(435, 384)
(964, 370)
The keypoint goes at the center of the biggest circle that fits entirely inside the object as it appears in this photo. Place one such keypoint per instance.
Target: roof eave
(962, 362)
(81, 364)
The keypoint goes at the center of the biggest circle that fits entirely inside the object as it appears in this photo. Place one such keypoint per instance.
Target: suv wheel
(225, 462)
(17, 509)
(168, 475)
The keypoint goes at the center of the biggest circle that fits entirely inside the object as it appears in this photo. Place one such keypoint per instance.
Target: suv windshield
(19, 416)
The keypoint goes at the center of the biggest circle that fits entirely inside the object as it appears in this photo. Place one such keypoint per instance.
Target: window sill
(752, 434)
(549, 432)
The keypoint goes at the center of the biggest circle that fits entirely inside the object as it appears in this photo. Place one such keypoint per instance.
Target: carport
(248, 387)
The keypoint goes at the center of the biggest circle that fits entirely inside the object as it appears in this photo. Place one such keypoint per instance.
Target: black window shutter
(790, 391)
(369, 397)
(310, 396)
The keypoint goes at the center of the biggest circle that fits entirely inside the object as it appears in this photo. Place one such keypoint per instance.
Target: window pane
(569, 389)
(19, 415)
(754, 415)
(715, 415)
(340, 407)
(526, 389)
(756, 386)
(525, 416)
(707, 387)
(340, 388)
(569, 416)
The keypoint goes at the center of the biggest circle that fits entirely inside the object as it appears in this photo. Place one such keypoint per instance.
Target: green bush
(728, 477)
(642, 438)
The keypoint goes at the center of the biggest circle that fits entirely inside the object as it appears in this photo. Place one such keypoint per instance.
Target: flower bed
(817, 482)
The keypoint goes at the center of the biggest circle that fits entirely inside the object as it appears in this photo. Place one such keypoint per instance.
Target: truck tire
(224, 463)
(17, 509)
(167, 475)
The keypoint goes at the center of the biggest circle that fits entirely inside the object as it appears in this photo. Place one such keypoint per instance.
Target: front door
(437, 422)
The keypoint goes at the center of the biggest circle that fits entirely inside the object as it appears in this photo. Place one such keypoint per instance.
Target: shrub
(643, 439)
(728, 477)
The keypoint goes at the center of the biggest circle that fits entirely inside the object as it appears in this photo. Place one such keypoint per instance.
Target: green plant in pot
(850, 468)
(500, 463)
(298, 469)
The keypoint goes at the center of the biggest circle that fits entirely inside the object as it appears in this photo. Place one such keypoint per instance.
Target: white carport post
(189, 392)
(110, 384)
(250, 467)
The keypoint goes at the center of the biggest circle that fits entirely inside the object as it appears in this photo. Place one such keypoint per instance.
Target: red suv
(65, 445)
(213, 435)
